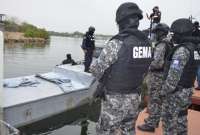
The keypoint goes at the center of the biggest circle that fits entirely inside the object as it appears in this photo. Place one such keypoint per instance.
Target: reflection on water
(27, 59)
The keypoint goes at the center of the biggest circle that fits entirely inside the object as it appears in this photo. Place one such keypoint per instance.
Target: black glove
(99, 93)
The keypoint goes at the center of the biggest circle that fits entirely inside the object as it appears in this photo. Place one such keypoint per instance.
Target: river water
(26, 59)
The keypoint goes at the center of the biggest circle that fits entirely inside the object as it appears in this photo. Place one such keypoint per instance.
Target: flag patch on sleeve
(175, 64)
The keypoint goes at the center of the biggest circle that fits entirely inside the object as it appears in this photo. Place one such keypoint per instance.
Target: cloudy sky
(77, 15)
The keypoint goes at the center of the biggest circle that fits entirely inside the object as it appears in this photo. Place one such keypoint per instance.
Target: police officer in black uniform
(88, 46)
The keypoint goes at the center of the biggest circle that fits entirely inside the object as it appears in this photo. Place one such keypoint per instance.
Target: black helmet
(91, 29)
(127, 9)
(182, 26)
(161, 27)
(68, 56)
(196, 24)
(155, 8)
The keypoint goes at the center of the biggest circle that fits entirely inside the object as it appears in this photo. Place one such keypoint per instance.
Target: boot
(146, 121)
(146, 128)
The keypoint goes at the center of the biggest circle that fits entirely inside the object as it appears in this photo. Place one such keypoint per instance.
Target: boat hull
(26, 105)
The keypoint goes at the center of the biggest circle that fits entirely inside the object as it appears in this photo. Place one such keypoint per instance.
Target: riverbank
(18, 37)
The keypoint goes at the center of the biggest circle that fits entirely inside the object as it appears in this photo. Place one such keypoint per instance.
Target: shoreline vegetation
(30, 34)
(18, 37)
(23, 33)
(78, 34)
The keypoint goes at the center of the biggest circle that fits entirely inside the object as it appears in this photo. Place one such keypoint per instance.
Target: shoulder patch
(176, 64)
(196, 55)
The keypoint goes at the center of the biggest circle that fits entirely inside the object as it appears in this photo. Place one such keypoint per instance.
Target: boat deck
(45, 89)
(196, 97)
(28, 104)
(193, 118)
(193, 123)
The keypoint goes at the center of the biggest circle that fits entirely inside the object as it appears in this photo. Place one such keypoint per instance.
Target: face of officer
(182, 28)
(91, 32)
(69, 56)
(133, 21)
(130, 22)
(196, 26)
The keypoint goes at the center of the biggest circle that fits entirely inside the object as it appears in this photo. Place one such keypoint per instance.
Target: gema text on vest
(141, 52)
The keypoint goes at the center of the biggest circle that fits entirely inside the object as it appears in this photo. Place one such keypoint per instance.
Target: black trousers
(88, 60)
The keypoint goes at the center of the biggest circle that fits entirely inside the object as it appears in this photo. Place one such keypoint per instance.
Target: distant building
(2, 19)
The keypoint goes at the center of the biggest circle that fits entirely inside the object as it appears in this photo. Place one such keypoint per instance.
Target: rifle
(150, 29)
(151, 22)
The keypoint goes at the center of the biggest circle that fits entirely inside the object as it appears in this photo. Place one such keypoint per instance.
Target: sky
(78, 15)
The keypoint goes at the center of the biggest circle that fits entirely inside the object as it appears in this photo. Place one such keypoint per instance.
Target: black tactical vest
(189, 72)
(88, 42)
(168, 45)
(126, 74)
(168, 48)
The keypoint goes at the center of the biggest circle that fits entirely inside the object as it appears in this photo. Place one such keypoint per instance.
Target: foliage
(32, 31)
(28, 29)
(62, 34)
(11, 26)
(78, 34)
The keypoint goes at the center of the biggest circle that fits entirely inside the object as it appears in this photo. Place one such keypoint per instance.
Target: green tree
(29, 30)
(11, 26)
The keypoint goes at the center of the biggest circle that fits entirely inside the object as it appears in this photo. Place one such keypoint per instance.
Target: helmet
(155, 8)
(182, 26)
(127, 9)
(161, 27)
(91, 29)
(196, 23)
(68, 56)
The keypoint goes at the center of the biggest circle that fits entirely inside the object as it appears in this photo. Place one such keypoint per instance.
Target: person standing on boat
(177, 88)
(155, 77)
(88, 46)
(154, 18)
(120, 69)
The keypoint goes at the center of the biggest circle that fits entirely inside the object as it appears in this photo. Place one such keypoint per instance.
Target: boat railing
(7, 129)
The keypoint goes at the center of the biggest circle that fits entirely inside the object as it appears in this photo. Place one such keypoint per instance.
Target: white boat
(28, 104)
